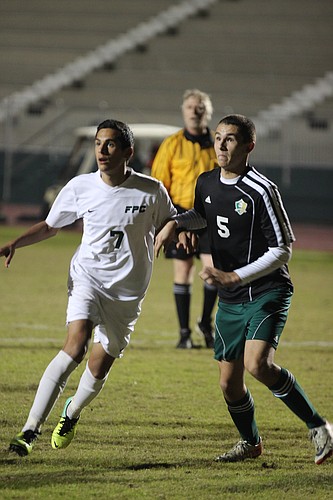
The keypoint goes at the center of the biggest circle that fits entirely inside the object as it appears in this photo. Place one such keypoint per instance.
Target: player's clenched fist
(214, 276)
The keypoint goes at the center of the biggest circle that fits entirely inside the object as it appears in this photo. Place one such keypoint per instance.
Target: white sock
(89, 387)
(50, 387)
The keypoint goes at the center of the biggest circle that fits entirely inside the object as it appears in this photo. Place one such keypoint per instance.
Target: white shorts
(113, 319)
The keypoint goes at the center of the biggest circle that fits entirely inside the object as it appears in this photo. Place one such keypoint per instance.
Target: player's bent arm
(267, 263)
(273, 259)
(191, 220)
(216, 277)
(38, 232)
(187, 221)
(165, 236)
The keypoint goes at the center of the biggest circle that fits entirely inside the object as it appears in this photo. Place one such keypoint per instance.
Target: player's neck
(233, 172)
(115, 178)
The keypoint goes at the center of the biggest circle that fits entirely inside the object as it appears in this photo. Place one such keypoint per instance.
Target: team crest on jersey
(240, 206)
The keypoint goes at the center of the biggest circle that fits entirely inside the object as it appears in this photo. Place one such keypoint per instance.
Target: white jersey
(119, 223)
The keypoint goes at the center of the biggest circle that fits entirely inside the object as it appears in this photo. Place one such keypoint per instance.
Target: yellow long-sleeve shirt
(178, 163)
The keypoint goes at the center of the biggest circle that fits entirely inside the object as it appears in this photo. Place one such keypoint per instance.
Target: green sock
(242, 414)
(291, 393)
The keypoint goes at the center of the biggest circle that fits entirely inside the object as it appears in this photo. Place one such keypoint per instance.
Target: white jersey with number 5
(119, 223)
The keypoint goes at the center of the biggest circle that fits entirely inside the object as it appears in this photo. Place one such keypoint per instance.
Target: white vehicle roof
(82, 158)
(140, 130)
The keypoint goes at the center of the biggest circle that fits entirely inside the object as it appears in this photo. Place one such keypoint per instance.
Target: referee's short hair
(245, 126)
(203, 97)
(126, 135)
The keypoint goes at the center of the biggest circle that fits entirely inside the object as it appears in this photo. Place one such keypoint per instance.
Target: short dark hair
(245, 126)
(126, 135)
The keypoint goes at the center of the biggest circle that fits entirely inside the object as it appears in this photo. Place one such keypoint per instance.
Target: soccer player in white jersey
(251, 238)
(108, 277)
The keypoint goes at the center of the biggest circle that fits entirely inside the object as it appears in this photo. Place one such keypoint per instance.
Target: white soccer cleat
(241, 451)
(322, 438)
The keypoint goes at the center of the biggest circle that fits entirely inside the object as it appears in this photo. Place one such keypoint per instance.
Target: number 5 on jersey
(223, 230)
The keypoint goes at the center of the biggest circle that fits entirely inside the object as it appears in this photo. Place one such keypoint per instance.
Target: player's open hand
(188, 241)
(8, 252)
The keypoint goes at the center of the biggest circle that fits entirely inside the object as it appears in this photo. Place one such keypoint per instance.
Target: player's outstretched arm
(38, 232)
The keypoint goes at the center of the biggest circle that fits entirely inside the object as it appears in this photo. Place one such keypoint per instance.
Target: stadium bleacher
(250, 56)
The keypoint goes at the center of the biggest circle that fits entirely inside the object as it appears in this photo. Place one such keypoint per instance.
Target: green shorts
(262, 319)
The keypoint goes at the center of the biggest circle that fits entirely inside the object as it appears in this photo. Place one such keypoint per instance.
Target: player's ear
(129, 153)
(251, 147)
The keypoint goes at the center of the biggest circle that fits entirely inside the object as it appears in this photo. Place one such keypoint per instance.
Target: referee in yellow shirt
(180, 159)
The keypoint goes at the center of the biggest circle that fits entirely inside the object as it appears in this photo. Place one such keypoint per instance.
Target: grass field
(160, 420)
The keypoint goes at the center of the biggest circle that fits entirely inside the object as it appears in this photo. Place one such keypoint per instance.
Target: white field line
(29, 326)
(136, 337)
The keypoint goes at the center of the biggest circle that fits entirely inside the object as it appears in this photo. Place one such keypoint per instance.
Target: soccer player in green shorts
(251, 238)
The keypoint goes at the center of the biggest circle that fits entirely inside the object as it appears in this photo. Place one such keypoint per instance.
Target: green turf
(160, 420)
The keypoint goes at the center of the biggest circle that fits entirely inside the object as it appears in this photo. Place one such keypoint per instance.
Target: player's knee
(231, 391)
(77, 350)
(258, 368)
